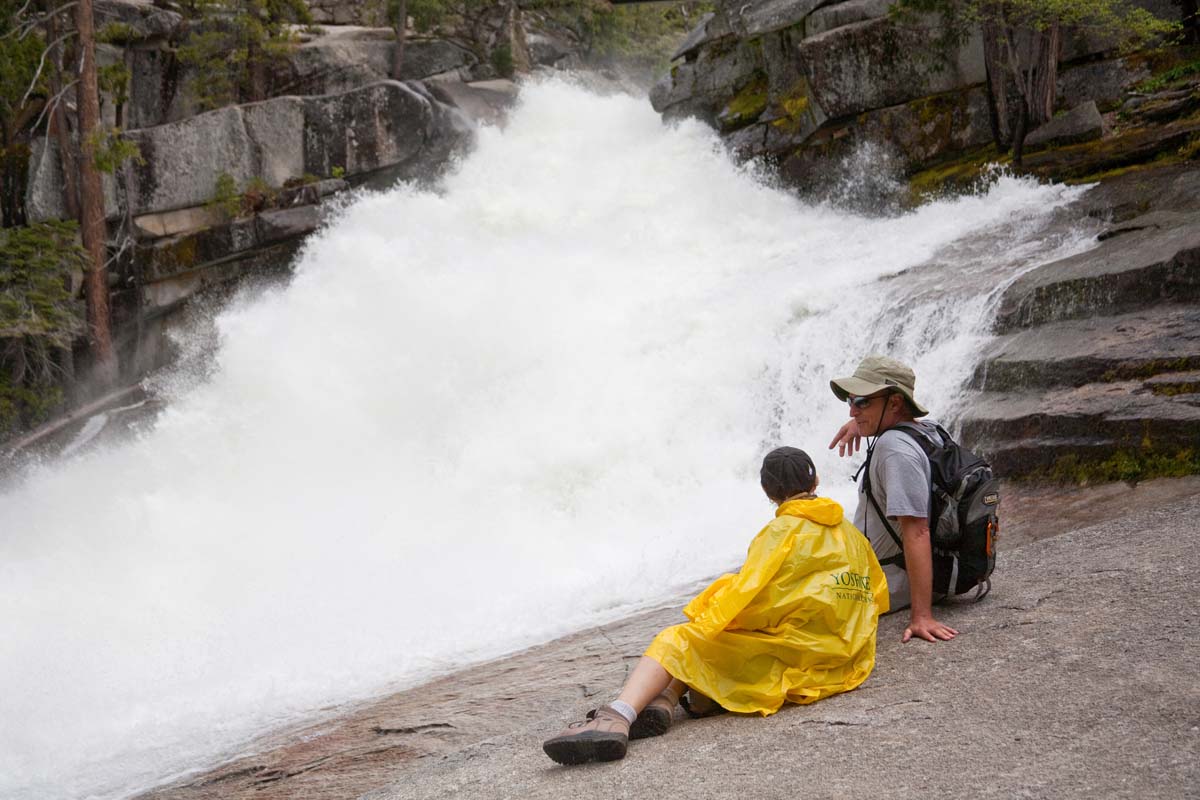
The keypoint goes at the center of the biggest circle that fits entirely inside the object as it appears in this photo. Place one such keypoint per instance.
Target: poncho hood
(820, 510)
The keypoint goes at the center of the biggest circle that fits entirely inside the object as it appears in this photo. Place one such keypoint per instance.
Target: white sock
(624, 709)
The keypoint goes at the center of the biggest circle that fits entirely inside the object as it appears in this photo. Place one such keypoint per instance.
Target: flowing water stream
(477, 418)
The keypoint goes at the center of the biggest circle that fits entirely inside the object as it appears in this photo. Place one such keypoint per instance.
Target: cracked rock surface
(1079, 676)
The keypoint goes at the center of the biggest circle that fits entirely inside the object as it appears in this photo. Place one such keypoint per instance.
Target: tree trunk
(1191, 21)
(1044, 77)
(256, 63)
(399, 13)
(59, 127)
(91, 200)
(1018, 147)
(997, 85)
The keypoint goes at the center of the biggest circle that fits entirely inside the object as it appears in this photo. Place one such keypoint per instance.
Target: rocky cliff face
(1095, 372)
(804, 83)
(333, 119)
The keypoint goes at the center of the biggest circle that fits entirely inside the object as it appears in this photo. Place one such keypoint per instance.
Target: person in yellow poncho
(797, 623)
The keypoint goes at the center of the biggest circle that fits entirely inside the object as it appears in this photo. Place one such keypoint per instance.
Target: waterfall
(481, 415)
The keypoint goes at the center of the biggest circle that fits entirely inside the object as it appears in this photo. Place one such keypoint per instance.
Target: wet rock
(483, 101)
(1144, 267)
(1137, 146)
(1081, 124)
(1175, 189)
(393, 125)
(1093, 376)
(702, 87)
(547, 50)
(286, 223)
(1077, 352)
(1029, 431)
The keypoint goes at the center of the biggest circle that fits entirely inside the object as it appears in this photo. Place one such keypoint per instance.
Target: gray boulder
(712, 27)
(151, 76)
(394, 125)
(847, 13)
(546, 49)
(875, 64)
(135, 20)
(347, 12)
(757, 17)
(483, 101)
(428, 58)
(1081, 124)
(44, 190)
(397, 127)
(342, 59)
(701, 87)
(1101, 81)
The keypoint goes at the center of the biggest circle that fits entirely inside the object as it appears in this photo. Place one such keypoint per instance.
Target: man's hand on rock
(929, 629)
(848, 441)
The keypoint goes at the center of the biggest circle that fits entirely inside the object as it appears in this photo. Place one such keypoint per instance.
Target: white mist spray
(476, 419)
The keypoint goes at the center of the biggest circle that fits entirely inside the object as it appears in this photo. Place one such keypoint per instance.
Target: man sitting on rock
(880, 394)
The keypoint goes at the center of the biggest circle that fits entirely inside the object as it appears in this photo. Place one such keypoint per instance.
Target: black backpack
(963, 524)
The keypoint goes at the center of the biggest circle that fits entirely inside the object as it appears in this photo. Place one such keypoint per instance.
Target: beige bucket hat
(876, 373)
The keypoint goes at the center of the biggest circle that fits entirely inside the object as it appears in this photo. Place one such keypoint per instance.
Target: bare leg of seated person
(605, 735)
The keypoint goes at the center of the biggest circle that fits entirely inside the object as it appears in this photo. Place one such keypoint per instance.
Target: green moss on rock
(746, 106)
(965, 173)
(1128, 465)
(792, 107)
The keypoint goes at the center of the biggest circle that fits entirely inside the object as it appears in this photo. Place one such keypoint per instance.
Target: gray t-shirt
(900, 480)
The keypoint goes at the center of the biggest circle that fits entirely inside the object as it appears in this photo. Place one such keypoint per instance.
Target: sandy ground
(1078, 677)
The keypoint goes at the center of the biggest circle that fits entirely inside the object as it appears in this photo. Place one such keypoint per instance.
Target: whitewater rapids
(480, 416)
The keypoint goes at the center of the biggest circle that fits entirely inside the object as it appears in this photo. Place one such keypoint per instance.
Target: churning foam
(477, 418)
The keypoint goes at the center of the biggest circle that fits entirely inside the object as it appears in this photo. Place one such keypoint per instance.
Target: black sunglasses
(862, 402)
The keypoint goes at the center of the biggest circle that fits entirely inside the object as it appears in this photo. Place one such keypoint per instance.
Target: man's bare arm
(918, 562)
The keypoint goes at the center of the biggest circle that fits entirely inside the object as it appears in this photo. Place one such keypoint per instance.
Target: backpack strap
(918, 436)
(898, 558)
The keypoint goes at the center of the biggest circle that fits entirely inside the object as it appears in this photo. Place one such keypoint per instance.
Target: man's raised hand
(848, 441)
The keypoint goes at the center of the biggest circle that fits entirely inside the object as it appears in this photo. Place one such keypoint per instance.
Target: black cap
(787, 471)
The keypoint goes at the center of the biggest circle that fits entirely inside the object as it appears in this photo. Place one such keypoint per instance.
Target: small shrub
(502, 60)
(259, 195)
(1169, 77)
(226, 199)
(116, 33)
(111, 149)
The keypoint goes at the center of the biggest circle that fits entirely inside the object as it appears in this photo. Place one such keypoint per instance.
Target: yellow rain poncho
(796, 624)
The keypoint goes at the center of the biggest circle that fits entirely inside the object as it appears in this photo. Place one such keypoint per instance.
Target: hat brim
(844, 388)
